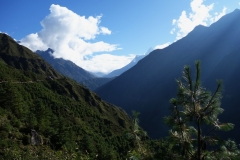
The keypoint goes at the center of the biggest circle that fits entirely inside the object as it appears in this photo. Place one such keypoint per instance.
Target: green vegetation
(136, 134)
(194, 120)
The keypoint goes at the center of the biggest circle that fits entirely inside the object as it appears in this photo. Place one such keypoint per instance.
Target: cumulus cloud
(112, 61)
(70, 36)
(200, 14)
(34, 42)
(161, 46)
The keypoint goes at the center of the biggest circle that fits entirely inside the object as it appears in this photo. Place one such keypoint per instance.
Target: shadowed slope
(148, 86)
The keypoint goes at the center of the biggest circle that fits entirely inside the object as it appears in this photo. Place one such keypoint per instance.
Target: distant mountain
(125, 68)
(71, 70)
(66, 67)
(71, 121)
(102, 79)
(98, 74)
(148, 86)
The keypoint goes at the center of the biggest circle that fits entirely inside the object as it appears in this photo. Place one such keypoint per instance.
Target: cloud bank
(200, 14)
(70, 36)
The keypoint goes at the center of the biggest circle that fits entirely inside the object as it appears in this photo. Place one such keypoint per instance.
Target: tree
(137, 133)
(194, 118)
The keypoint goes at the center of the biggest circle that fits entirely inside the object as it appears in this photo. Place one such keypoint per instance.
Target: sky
(101, 36)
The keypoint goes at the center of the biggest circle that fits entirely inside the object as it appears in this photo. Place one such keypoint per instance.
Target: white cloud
(105, 30)
(34, 42)
(200, 14)
(70, 35)
(218, 15)
(107, 61)
(161, 46)
(174, 21)
(148, 51)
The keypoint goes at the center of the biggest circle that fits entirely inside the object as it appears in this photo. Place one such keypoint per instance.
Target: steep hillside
(72, 122)
(23, 59)
(148, 86)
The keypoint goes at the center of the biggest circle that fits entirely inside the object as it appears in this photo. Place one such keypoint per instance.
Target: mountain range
(148, 86)
(71, 70)
(88, 79)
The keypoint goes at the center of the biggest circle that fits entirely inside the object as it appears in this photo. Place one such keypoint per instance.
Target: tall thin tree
(194, 118)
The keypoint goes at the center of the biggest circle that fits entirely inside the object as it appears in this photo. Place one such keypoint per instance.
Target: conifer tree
(194, 120)
(137, 133)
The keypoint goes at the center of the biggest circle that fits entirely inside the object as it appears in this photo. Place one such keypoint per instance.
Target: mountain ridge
(65, 67)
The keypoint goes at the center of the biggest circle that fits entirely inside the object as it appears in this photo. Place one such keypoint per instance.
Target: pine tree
(194, 120)
(136, 134)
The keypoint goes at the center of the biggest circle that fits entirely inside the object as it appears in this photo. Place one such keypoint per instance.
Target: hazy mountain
(148, 86)
(98, 74)
(69, 118)
(102, 79)
(125, 68)
(66, 67)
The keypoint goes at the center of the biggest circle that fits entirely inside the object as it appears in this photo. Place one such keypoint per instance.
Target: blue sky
(101, 36)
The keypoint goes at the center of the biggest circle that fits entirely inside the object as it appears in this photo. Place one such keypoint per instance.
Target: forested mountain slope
(72, 121)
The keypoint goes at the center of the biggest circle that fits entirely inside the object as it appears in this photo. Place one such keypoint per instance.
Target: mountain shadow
(148, 86)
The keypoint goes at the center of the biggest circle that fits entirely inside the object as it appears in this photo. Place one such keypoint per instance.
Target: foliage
(194, 119)
(138, 136)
